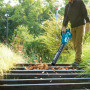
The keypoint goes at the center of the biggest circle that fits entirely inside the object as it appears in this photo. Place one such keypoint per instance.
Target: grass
(86, 57)
(8, 58)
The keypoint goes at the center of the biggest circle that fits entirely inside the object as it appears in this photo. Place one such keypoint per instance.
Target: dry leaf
(40, 78)
(44, 66)
(26, 68)
(43, 72)
(71, 66)
(50, 80)
(53, 69)
(66, 68)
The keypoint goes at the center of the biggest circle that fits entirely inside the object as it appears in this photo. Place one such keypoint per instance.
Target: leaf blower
(65, 37)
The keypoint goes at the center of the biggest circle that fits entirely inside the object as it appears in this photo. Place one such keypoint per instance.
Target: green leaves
(52, 34)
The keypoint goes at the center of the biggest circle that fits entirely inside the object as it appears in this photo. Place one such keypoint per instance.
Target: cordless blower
(65, 37)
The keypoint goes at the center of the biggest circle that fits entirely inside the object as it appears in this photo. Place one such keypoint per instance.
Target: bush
(8, 58)
(37, 50)
(20, 38)
(31, 48)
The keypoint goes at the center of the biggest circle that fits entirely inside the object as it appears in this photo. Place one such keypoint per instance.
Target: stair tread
(47, 74)
(44, 84)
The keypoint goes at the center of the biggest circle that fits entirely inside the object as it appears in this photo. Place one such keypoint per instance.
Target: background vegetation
(8, 58)
(34, 32)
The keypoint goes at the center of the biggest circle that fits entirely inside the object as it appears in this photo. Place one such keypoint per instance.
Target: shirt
(76, 13)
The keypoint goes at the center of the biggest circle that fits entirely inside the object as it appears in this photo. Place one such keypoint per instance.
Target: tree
(1, 3)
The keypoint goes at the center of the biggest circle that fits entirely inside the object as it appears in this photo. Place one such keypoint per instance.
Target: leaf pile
(44, 66)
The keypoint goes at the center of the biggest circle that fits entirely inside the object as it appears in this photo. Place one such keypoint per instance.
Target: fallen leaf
(53, 69)
(26, 68)
(43, 72)
(71, 66)
(40, 78)
(35, 77)
(31, 68)
(50, 80)
(44, 66)
(66, 68)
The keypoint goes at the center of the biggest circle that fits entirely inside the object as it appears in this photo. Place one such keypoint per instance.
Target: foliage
(38, 49)
(8, 58)
(52, 33)
(20, 38)
(23, 33)
(86, 1)
(25, 44)
(88, 9)
(1, 3)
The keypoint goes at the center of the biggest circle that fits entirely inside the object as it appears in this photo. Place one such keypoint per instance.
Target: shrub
(37, 50)
(20, 37)
(31, 48)
(8, 58)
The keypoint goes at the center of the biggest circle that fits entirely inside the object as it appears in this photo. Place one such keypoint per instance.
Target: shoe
(75, 64)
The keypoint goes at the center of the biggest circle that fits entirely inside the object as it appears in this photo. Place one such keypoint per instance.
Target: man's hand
(64, 29)
(87, 26)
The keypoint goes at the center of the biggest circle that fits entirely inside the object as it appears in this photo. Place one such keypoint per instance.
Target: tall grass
(8, 58)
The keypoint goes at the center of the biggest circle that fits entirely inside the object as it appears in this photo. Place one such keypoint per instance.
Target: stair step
(43, 75)
(43, 86)
(61, 64)
(46, 71)
(20, 79)
(69, 67)
(44, 80)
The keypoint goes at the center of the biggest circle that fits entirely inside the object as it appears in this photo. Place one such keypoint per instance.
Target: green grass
(85, 56)
(8, 58)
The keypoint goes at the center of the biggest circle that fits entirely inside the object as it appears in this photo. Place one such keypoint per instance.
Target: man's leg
(80, 31)
(73, 32)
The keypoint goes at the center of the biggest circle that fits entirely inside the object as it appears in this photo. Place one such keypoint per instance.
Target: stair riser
(44, 81)
(47, 87)
(41, 76)
(32, 71)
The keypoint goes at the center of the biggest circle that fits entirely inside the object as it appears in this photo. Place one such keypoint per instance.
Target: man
(76, 13)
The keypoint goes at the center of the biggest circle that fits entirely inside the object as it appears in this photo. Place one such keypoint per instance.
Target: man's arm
(85, 14)
(84, 11)
(65, 21)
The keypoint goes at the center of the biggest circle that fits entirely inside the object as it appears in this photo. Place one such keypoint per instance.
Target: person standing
(76, 13)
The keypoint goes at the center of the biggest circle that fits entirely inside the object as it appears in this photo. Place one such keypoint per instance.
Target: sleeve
(84, 11)
(65, 20)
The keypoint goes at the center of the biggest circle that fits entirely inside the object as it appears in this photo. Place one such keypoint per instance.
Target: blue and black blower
(65, 37)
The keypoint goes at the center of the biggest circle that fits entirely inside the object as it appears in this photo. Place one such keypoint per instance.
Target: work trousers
(77, 39)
